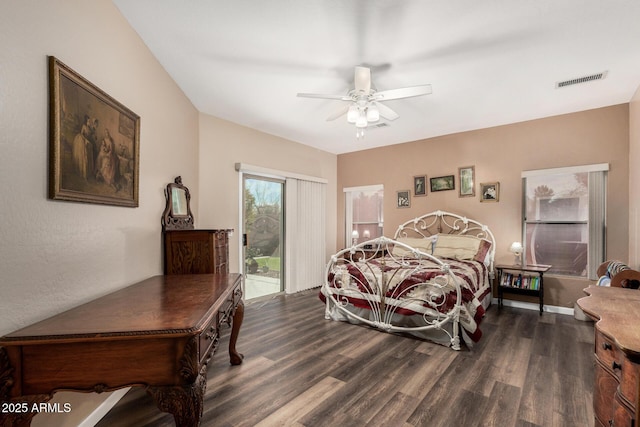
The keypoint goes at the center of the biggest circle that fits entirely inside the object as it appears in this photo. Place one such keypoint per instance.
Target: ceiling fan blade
(362, 80)
(325, 96)
(341, 112)
(386, 112)
(405, 92)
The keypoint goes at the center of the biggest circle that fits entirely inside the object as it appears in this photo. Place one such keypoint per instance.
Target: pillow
(420, 243)
(457, 246)
(483, 251)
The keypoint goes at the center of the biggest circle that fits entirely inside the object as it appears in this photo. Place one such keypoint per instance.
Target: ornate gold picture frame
(94, 143)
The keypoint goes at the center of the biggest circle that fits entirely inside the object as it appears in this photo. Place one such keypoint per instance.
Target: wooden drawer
(630, 382)
(209, 339)
(226, 311)
(608, 354)
(603, 395)
(622, 416)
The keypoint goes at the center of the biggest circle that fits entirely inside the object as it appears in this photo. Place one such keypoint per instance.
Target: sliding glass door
(263, 222)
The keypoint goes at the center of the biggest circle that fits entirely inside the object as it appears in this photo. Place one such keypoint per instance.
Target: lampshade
(373, 115)
(355, 234)
(366, 234)
(352, 114)
(516, 248)
(361, 121)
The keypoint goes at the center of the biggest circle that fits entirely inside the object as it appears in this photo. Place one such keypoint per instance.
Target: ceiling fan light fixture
(361, 121)
(373, 114)
(366, 105)
(352, 114)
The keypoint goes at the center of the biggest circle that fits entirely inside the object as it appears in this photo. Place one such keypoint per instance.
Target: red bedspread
(414, 287)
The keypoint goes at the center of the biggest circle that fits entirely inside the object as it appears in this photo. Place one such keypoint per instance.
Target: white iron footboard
(377, 276)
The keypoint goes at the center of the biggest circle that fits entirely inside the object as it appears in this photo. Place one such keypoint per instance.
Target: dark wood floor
(302, 370)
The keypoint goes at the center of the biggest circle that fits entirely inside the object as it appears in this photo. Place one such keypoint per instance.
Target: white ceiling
(489, 62)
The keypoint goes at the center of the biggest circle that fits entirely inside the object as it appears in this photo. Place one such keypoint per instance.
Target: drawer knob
(615, 366)
(606, 346)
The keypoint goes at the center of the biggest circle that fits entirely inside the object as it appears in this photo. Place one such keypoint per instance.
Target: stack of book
(519, 281)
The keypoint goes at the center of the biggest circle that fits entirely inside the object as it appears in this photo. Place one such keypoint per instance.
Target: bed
(432, 280)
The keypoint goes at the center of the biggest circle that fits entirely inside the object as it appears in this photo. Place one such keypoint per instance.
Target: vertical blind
(597, 195)
(305, 234)
(305, 226)
(597, 221)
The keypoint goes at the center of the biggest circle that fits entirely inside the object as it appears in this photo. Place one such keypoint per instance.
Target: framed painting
(466, 176)
(94, 142)
(490, 192)
(404, 199)
(442, 183)
(420, 185)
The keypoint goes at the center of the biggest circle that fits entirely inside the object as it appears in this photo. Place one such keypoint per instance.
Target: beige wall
(501, 154)
(56, 255)
(223, 144)
(634, 180)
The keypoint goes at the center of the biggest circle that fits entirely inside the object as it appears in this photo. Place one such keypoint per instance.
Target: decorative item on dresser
(618, 275)
(616, 400)
(177, 212)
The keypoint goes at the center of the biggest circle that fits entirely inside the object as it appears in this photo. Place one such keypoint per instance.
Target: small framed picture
(466, 176)
(489, 191)
(404, 199)
(442, 183)
(420, 185)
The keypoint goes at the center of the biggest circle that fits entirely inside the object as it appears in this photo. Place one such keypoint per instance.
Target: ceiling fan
(365, 102)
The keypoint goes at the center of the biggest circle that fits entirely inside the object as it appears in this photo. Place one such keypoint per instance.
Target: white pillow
(457, 246)
(420, 243)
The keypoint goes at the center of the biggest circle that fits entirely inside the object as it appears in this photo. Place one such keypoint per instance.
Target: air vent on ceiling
(585, 79)
(379, 125)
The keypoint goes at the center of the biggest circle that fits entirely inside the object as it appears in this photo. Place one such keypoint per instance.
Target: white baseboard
(94, 417)
(533, 306)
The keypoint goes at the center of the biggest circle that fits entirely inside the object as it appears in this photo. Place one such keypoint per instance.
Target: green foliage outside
(272, 262)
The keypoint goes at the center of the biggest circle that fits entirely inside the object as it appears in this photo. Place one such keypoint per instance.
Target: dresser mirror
(177, 212)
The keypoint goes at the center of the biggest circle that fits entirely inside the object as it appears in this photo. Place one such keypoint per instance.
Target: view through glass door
(263, 221)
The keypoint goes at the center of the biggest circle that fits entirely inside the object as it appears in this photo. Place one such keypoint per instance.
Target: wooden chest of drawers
(617, 354)
(196, 251)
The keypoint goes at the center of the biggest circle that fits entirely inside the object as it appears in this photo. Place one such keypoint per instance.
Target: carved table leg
(183, 402)
(238, 316)
(16, 411)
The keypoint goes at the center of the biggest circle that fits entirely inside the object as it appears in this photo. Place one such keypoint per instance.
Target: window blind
(305, 234)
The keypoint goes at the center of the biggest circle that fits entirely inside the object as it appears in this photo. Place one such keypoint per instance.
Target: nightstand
(521, 279)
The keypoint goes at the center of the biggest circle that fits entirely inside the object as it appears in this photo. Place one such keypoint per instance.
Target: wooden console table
(616, 394)
(159, 333)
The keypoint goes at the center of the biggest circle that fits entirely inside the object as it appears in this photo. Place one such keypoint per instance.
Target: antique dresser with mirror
(186, 249)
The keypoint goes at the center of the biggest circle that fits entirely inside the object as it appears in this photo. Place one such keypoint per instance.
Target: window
(363, 213)
(564, 218)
